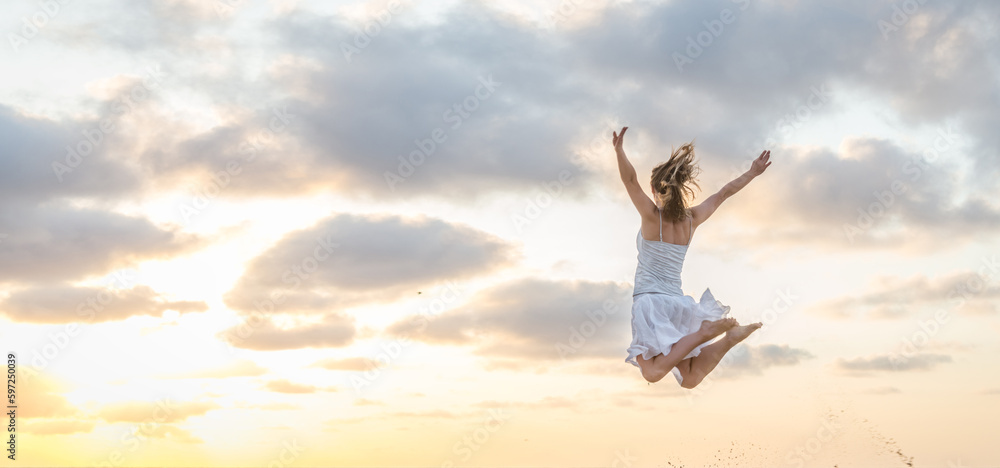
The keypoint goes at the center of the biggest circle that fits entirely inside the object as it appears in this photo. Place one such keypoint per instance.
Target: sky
(292, 233)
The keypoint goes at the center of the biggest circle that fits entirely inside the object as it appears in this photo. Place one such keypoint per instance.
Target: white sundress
(661, 313)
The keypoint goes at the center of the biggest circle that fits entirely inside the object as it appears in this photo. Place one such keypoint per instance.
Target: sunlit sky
(291, 233)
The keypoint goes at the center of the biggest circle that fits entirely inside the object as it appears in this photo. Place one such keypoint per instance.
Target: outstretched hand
(761, 163)
(618, 138)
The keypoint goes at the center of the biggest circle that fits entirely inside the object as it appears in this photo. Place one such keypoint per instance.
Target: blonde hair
(671, 181)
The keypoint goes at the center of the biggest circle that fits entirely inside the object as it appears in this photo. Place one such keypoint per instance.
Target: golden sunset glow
(393, 233)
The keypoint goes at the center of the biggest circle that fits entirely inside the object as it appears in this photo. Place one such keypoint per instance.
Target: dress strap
(660, 212)
(690, 228)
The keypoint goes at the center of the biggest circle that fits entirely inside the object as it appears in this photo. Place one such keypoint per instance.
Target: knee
(691, 381)
(653, 375)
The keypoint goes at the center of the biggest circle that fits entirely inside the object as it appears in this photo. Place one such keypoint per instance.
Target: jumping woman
(670, 331)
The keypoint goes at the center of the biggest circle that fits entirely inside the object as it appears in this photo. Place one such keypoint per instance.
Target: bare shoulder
(650, 226)
(698, 214)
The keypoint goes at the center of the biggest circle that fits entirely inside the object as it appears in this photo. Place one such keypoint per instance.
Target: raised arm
(704, 210)
(642, 202)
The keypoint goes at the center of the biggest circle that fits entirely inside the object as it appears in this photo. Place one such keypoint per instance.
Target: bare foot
(712, 329)
(738, 334)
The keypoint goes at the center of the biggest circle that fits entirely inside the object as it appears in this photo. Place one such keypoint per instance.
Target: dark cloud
(530, 318)
(66, 304)
(352, 119)
(352, 259)
(48, 238)
(33, 145)
(872, 194)
(55, 242)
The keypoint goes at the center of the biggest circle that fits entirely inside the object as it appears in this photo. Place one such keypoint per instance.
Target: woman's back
(660, 263)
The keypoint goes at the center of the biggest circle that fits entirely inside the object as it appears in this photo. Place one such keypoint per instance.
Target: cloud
(270, 406)
(734, 96)
(453, 89)
(57, 426)
(176, 434)
(48, 238)
(966, 292)
(351, 364)
(891, 363)
(367, 402)
(33, 143)
(870, 194)
(527, 318)
(55, 242)
(352, 259)
(285, 386)
(754, 359)
(40, 396)
(333, 331)
(65, 304)
(160, 411)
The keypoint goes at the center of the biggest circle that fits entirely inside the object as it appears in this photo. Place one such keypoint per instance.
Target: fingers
(616, 138)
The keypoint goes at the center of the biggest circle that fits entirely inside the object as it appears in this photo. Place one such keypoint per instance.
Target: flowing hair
(671, 182)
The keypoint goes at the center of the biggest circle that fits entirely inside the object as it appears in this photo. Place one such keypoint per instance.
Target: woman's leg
(660, 365)
(710, 356)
